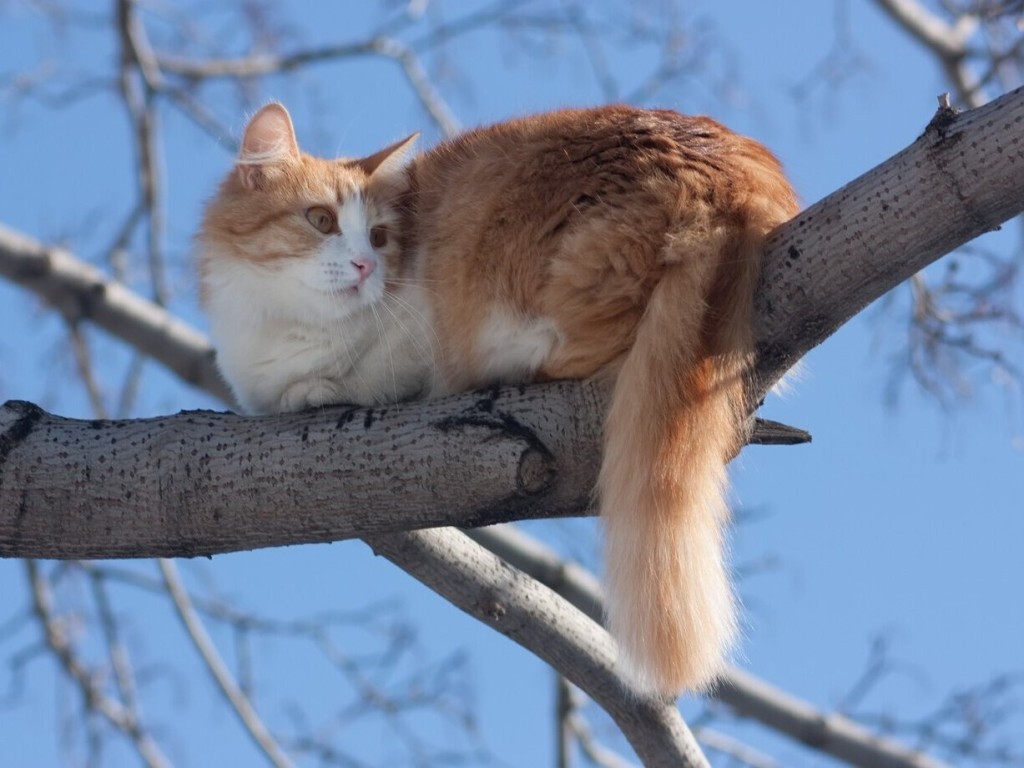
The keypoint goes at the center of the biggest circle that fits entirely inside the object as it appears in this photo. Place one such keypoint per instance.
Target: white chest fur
(279, 359)
(511, 348)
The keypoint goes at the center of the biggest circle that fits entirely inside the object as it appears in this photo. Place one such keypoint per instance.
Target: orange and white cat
(613, 242)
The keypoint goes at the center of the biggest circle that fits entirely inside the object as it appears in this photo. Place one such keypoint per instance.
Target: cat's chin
(343, 302)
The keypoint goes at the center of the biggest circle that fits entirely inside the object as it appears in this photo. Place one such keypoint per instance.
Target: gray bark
(201, 482)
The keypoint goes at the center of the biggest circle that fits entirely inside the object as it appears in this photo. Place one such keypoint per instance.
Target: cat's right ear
(268, 142)
(390, 160)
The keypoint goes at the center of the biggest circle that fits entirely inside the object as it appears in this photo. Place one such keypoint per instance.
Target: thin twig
(120, 716)
(139, 79)
(240, 703)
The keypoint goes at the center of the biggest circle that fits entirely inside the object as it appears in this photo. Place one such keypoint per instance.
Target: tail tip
(681, 679)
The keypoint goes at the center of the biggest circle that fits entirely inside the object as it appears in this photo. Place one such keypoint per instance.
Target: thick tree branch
(963, 177)
(194, 483)
(201, 483)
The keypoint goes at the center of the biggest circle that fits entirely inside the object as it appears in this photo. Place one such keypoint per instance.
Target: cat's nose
(365, 266)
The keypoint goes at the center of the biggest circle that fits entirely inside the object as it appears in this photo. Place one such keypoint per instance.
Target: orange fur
(639, 234)
(624, 243)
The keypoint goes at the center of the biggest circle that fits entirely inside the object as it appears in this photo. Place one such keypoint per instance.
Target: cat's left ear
(389, 160)
(268, 142)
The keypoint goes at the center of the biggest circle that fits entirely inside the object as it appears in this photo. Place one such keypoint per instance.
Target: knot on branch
(22, 417)
(536, 470)
(943, 118)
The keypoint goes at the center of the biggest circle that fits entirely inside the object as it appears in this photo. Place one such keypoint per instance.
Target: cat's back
(538, 175)
(566, 216)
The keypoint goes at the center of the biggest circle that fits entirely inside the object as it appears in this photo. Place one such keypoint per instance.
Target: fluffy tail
(676, 418)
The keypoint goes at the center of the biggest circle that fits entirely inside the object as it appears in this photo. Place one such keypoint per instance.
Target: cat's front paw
(311, 393)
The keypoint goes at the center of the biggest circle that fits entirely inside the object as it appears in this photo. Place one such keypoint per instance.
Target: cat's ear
(390, 160)
(268, 141)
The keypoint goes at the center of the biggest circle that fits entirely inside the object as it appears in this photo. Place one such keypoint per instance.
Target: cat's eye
(378, 237)
(322, 219)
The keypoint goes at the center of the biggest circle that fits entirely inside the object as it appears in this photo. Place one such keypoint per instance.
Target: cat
(613, 241)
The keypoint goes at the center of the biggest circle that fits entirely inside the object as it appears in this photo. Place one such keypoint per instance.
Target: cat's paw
(310, 393)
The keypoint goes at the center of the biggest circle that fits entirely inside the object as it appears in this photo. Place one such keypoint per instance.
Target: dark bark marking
(20, 429)
(347, 417)
(537, 468)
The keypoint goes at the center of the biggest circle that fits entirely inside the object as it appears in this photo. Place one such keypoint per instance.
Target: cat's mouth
(347, 292)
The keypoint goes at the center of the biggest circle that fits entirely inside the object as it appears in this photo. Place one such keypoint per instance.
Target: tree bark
(962, 177)
(201, 482)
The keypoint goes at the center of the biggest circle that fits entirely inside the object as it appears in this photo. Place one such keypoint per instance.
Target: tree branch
(236, 697)
(505, 599)
(122, 717)
(79, 291)
(474, 459)
(197, 483)
(948, 43)
(830, 733)
(962, 177)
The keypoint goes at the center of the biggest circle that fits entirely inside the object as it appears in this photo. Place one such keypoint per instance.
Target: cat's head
(301, 235)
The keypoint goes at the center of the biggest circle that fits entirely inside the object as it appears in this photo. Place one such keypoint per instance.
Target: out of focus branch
(80, 292)
(139, 78)
(239, 701)
(980, 36)
(121, 716)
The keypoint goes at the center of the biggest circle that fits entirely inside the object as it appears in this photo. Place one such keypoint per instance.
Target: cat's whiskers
(414, 282)
(385, 341)
(334, 328)
(433, 344)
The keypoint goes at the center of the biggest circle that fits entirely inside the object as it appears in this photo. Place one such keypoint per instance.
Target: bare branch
(948, 42)
(123, 673)
(963, 177)
(121, 717)
(239, 701)
(579, 729)
(86, 374)
(259, 64)
(191, 484)
(830, 733)
(139, 78)
(737, 751)
(425, 91)
(977, 36)
(81, 292)
(485, 587)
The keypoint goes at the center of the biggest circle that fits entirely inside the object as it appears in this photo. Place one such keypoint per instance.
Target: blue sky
(898, 521)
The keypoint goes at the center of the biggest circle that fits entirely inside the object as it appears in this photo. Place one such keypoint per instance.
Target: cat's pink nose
(364, 266)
